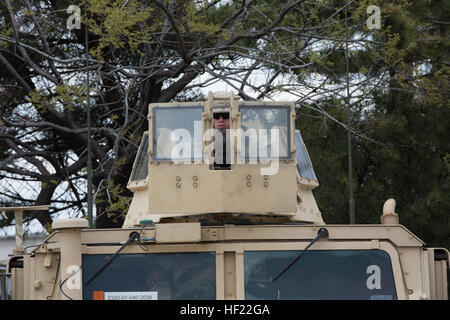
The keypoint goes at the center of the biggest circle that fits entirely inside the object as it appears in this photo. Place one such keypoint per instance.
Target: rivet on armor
(178, 178)
(249, 177)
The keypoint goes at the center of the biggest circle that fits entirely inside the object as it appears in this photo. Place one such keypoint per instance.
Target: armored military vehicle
(227, 212)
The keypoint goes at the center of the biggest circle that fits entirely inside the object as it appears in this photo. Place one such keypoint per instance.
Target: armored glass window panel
(304, 164)
(174, 276)
(140, 170)
(259, 125)
(320, 274)
(177, 133)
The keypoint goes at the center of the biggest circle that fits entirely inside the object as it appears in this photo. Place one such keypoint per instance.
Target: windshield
(140, 170)
(304, 165)
(331, 274)
(159, 275)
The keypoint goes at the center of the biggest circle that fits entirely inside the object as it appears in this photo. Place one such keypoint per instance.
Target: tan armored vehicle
(223, 209)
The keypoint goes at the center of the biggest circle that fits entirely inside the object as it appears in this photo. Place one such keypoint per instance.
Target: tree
(399, 148)
(140, 52)
(160, 51)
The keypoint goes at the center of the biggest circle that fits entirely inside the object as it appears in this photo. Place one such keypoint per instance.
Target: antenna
(349, 135)
(89, 160)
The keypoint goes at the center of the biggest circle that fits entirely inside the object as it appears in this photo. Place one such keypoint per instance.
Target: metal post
(18, 217)
(89, 161)
(349, 135)
(70, 253)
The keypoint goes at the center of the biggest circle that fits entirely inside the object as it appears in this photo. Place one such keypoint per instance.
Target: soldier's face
(221, 120)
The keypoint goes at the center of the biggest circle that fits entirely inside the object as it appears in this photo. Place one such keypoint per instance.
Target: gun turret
(265, 173)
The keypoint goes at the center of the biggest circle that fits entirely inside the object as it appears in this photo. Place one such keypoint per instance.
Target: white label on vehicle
(134, 295)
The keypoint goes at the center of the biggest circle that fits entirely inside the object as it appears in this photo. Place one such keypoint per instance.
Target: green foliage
(151, 51)
(119, 26)
(66, 97)
(115, 201)
(208, 24)
(401, 151)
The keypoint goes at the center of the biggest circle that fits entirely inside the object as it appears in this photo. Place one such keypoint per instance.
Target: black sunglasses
(224, 115)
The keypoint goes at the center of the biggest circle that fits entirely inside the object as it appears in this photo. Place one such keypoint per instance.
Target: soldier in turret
(221, 122)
